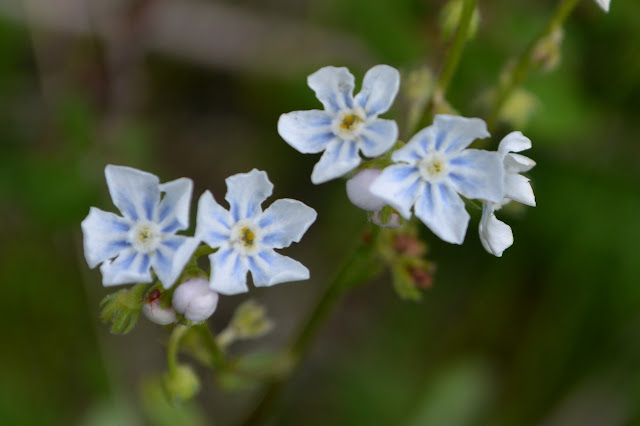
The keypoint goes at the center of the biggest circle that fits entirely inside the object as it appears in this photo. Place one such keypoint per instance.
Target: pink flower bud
(157, 314)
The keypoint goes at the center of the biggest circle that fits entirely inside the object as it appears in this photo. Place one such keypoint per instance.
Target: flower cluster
(428, 176)
(145, 238)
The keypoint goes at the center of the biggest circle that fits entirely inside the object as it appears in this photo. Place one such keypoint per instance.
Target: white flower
(496, 236)
(358, 190)
(157, 314)
(604, 4)
(195, 299)
(434, 167)
(144, 236)
(347, 125)
(247, 236)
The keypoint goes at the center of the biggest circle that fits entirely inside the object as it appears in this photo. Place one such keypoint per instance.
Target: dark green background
(549, 334)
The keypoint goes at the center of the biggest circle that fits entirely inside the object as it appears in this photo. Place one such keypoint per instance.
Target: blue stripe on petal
(144, 265)
(217, 236)
(172, 227)
(126, 263)
(460, 161)
(222, 257)
(127, 205)
(149, 206)
(172, 244)
(118, 226)
(400, 174)
(264, 256)
(164, 213)
(162, 260)
(266, 221)
(122, 244)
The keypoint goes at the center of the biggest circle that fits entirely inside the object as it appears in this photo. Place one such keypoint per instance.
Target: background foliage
(549, 334)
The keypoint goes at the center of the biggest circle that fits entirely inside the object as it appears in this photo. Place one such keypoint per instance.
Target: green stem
(359, 268)
(174, 344)
(453, 58)
(519, 71)
(217, 355)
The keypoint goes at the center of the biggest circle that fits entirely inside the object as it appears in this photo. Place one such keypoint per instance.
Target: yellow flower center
(248, 236)
(349, 121)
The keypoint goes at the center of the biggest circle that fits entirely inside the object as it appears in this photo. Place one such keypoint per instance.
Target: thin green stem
(218, 358)
(174, 344)
(359, 268)
(521, 67)
(452, 59)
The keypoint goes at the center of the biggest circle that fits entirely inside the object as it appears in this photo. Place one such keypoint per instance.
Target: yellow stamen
(248, 236)
(348, 121)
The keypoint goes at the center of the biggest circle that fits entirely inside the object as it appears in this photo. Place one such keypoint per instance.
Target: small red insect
(153, 296)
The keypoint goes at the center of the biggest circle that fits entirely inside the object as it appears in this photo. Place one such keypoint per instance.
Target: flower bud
(156, 313)
(182, 385)
(195, 299)
(358, 190)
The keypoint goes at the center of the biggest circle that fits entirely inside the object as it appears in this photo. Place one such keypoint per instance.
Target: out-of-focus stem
(359, 268)
(172, 350)
(452, 59)
(519, 71)
(217, 355)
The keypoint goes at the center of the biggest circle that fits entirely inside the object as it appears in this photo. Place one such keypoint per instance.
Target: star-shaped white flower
(496, 236)
(246, 236)
(434, 167)
(145, 235)
(347, 125)
(604, 4)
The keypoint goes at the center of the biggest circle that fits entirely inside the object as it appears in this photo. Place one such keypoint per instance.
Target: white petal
(105, 235)
(399, 185)
(359, 190)
(213, 223)
(173, 211)
(128, 268)
(604, 4)
(453, 133)
(496, 236)
(442, 210)
(155, 313)
(228, 271)
(514, 142)
(246, 192)
(379, 89)
(203, 307)
(134, 192)
(476, 173)
(285, 222)
(339, 158)
(516, 163)
(378, 136)
(417, 148)
(333, 87)
(308, 132)
(171, 256)
(518, 188)
(269, 268)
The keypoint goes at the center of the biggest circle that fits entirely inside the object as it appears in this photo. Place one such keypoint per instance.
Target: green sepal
(122, 308)
(403, 283)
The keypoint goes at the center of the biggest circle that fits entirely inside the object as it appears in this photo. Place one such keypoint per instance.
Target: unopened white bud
(359, 193)
(158, 314)
(195, 300)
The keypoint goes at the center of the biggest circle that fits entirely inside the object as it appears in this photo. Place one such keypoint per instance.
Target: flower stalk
(521, 67)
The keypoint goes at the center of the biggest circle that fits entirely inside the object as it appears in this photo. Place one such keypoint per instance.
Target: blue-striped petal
(477, 174)
(309, 132)
(213, 223)
(173, 211)
(379, 89)
(339, 158)
(443, 211)
(454, 133)
(134, 192)
(128, 268)
(399, 185)
(171, 256)
(228, 271)
(417, 147)
(269, 268)
(378, 137)
(333, 87)
(105, 235)
(285, 222)
(246, 192)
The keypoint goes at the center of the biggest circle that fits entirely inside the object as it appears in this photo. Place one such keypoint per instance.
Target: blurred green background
(547, 335)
